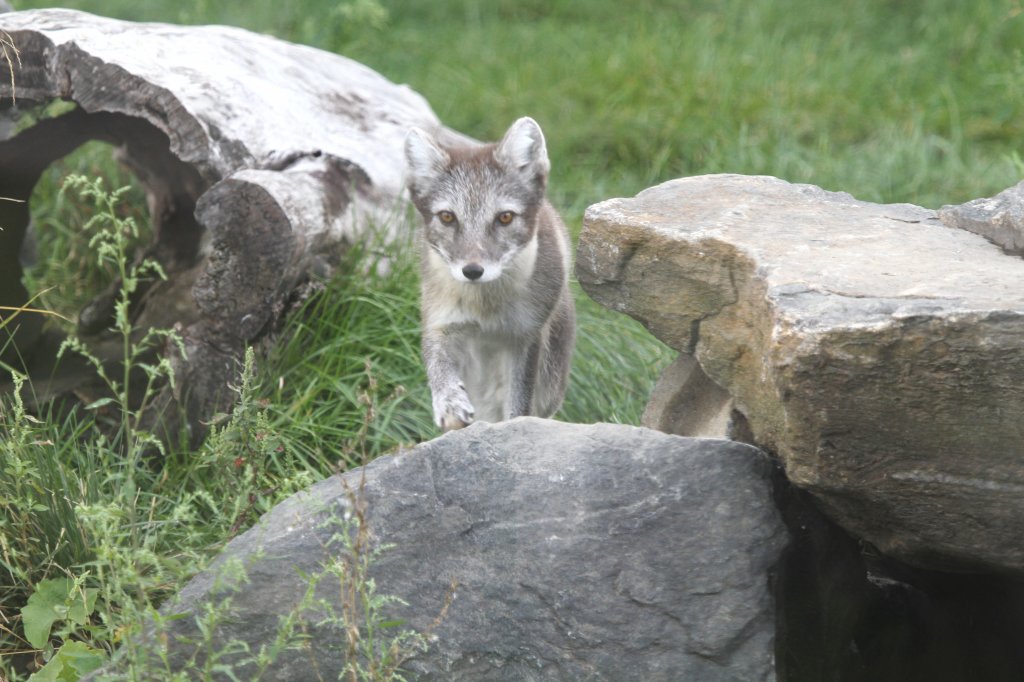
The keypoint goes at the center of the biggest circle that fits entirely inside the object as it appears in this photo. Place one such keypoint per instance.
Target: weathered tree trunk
(262, 160)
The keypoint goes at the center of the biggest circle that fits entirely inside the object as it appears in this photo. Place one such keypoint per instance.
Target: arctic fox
(498, 318)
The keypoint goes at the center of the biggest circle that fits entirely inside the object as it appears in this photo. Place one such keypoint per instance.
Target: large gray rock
(581, 553)
(999, 219)
(876, 350)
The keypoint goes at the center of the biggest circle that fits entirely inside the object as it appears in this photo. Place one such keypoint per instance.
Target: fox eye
(446, 217)
(505, 217)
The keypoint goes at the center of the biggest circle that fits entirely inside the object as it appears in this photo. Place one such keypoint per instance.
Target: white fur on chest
(489, 326)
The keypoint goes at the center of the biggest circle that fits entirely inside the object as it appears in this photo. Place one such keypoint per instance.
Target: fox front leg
(521, 386)
(452, 407)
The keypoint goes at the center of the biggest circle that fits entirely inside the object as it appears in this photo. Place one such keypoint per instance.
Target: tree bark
(261, 160)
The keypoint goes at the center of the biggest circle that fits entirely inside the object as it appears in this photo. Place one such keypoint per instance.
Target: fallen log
(262, 161)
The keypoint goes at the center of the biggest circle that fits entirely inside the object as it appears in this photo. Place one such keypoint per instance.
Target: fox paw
(452, 409)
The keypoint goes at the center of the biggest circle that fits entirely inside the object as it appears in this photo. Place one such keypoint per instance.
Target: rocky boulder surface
(875, 349)
(1000, 219)
(580, 553)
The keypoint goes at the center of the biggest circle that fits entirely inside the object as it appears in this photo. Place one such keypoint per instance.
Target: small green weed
(112, 245)
(245, 450)
(62, 267)
(375, 645)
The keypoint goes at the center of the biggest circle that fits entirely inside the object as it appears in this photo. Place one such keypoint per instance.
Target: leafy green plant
(78, 501)
(70, 663)
(56, 600)
(39, 530)
(39, 478)
(244, 450)
(230, 482)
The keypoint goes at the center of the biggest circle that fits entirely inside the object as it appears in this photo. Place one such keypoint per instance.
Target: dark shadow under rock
(847, 614)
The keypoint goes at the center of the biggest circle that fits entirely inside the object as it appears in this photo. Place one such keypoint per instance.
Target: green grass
(917, 101)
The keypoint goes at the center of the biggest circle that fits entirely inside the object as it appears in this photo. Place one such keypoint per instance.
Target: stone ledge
(876, 350)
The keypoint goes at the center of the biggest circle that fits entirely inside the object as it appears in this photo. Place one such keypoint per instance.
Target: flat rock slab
(876, 350)
(581, 553)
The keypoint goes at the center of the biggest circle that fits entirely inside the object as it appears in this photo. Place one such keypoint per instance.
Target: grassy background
(919, 101)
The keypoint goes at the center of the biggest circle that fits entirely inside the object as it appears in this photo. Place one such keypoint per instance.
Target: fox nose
(473, 271)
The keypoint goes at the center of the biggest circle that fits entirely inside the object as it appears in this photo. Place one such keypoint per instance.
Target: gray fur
(498, 318)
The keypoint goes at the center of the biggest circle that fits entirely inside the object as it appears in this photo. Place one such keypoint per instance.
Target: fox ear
(425, 159)
(523, 149)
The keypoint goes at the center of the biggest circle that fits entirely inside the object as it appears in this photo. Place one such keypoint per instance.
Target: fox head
(479, 203)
